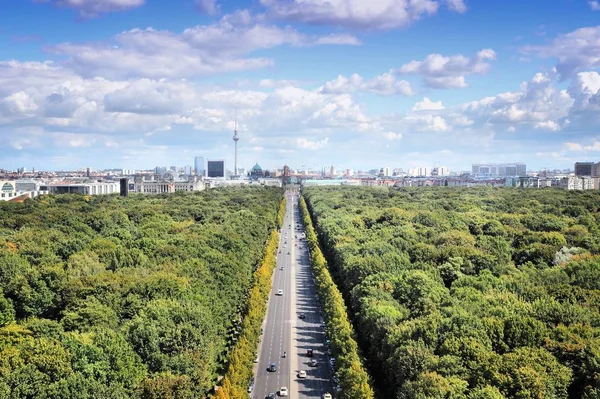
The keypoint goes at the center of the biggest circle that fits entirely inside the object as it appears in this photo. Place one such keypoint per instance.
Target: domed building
(256, 172)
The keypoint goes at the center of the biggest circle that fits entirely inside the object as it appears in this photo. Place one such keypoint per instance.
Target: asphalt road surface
(284, 331)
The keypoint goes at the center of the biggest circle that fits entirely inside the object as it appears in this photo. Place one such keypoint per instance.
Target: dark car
(302, 316)
(309, 352)
(272, 367)
(271, 395)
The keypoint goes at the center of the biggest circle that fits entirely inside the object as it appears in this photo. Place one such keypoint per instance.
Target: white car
(326, 396)
(301, 374)
(279, 292)
(283, 391)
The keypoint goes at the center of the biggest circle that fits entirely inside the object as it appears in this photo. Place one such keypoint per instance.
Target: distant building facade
(199, 166)
(499, 170)
(583, 168)
(8, 190)
(215, 168)
(98, 188)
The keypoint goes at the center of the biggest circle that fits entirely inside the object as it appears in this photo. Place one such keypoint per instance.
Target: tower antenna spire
(235, 141)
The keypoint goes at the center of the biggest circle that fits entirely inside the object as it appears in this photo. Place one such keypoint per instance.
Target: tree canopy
(468, 293)
(136, 297)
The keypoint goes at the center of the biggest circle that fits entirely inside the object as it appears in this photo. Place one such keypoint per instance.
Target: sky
(357, 84)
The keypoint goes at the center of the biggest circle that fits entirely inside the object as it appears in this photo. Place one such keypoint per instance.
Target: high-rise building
(499, 170)
(386, 171)
(199, 166)
(215, 168)
(583, 168)
(596, 170)
(187, 169)
(173, 168)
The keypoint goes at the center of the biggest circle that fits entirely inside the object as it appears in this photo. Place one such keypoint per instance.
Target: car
(256, 359)
(251, 385)
(309, 352)
(326, 396)
(314, 362)
(302, 316)
(301, 374)
(283, 391)
(281, 268)
(288, 253)
(329, 351)
(271, 395)
(279, 292)
(272, 367)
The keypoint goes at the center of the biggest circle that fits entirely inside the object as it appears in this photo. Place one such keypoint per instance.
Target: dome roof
(256, 168)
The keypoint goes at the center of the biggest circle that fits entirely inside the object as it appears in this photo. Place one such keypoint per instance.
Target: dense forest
(469, 293)
(138, 297)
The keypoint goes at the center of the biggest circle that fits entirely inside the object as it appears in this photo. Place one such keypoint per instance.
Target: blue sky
(352, 83)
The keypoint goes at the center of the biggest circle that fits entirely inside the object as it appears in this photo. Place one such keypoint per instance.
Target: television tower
(235, 140)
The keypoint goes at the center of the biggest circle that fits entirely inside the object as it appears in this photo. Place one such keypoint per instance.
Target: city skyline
(134, 84)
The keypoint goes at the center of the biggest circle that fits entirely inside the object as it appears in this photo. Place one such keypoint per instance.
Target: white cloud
(385, 84)
(311, 145)
(428, 123)
(147, 96)
(547, 125)
(19, 103)
(442, 72)
(209, 7)
(536, 102)
(594, 5)
(93, 8)
(358, 14)
(392, 136)
(578, 147)
(574, 146)
(201, 50)
(427, 105)
(574, 51)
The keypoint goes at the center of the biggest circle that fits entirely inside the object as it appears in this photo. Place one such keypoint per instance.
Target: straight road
(283, 328)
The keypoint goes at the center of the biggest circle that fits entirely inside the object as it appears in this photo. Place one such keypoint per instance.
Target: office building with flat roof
(583, 168)
(199, 166)
(215, 168)
(499, 170)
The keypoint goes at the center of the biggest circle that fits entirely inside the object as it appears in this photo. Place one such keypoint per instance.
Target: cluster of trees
(469, 293)
(137, 297)
(239, 372)
(353, 378)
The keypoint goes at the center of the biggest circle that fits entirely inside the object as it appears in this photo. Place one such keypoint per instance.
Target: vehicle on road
(302, 316)
(283, 391)
(279, 292)
(271, 395)
(288, 253)
(251, 385)
(326, 396)
(301, 374)
(284, 354)
(272, 367)
(314, 362)
(281, 268)
(256, 359)
(309, 352)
